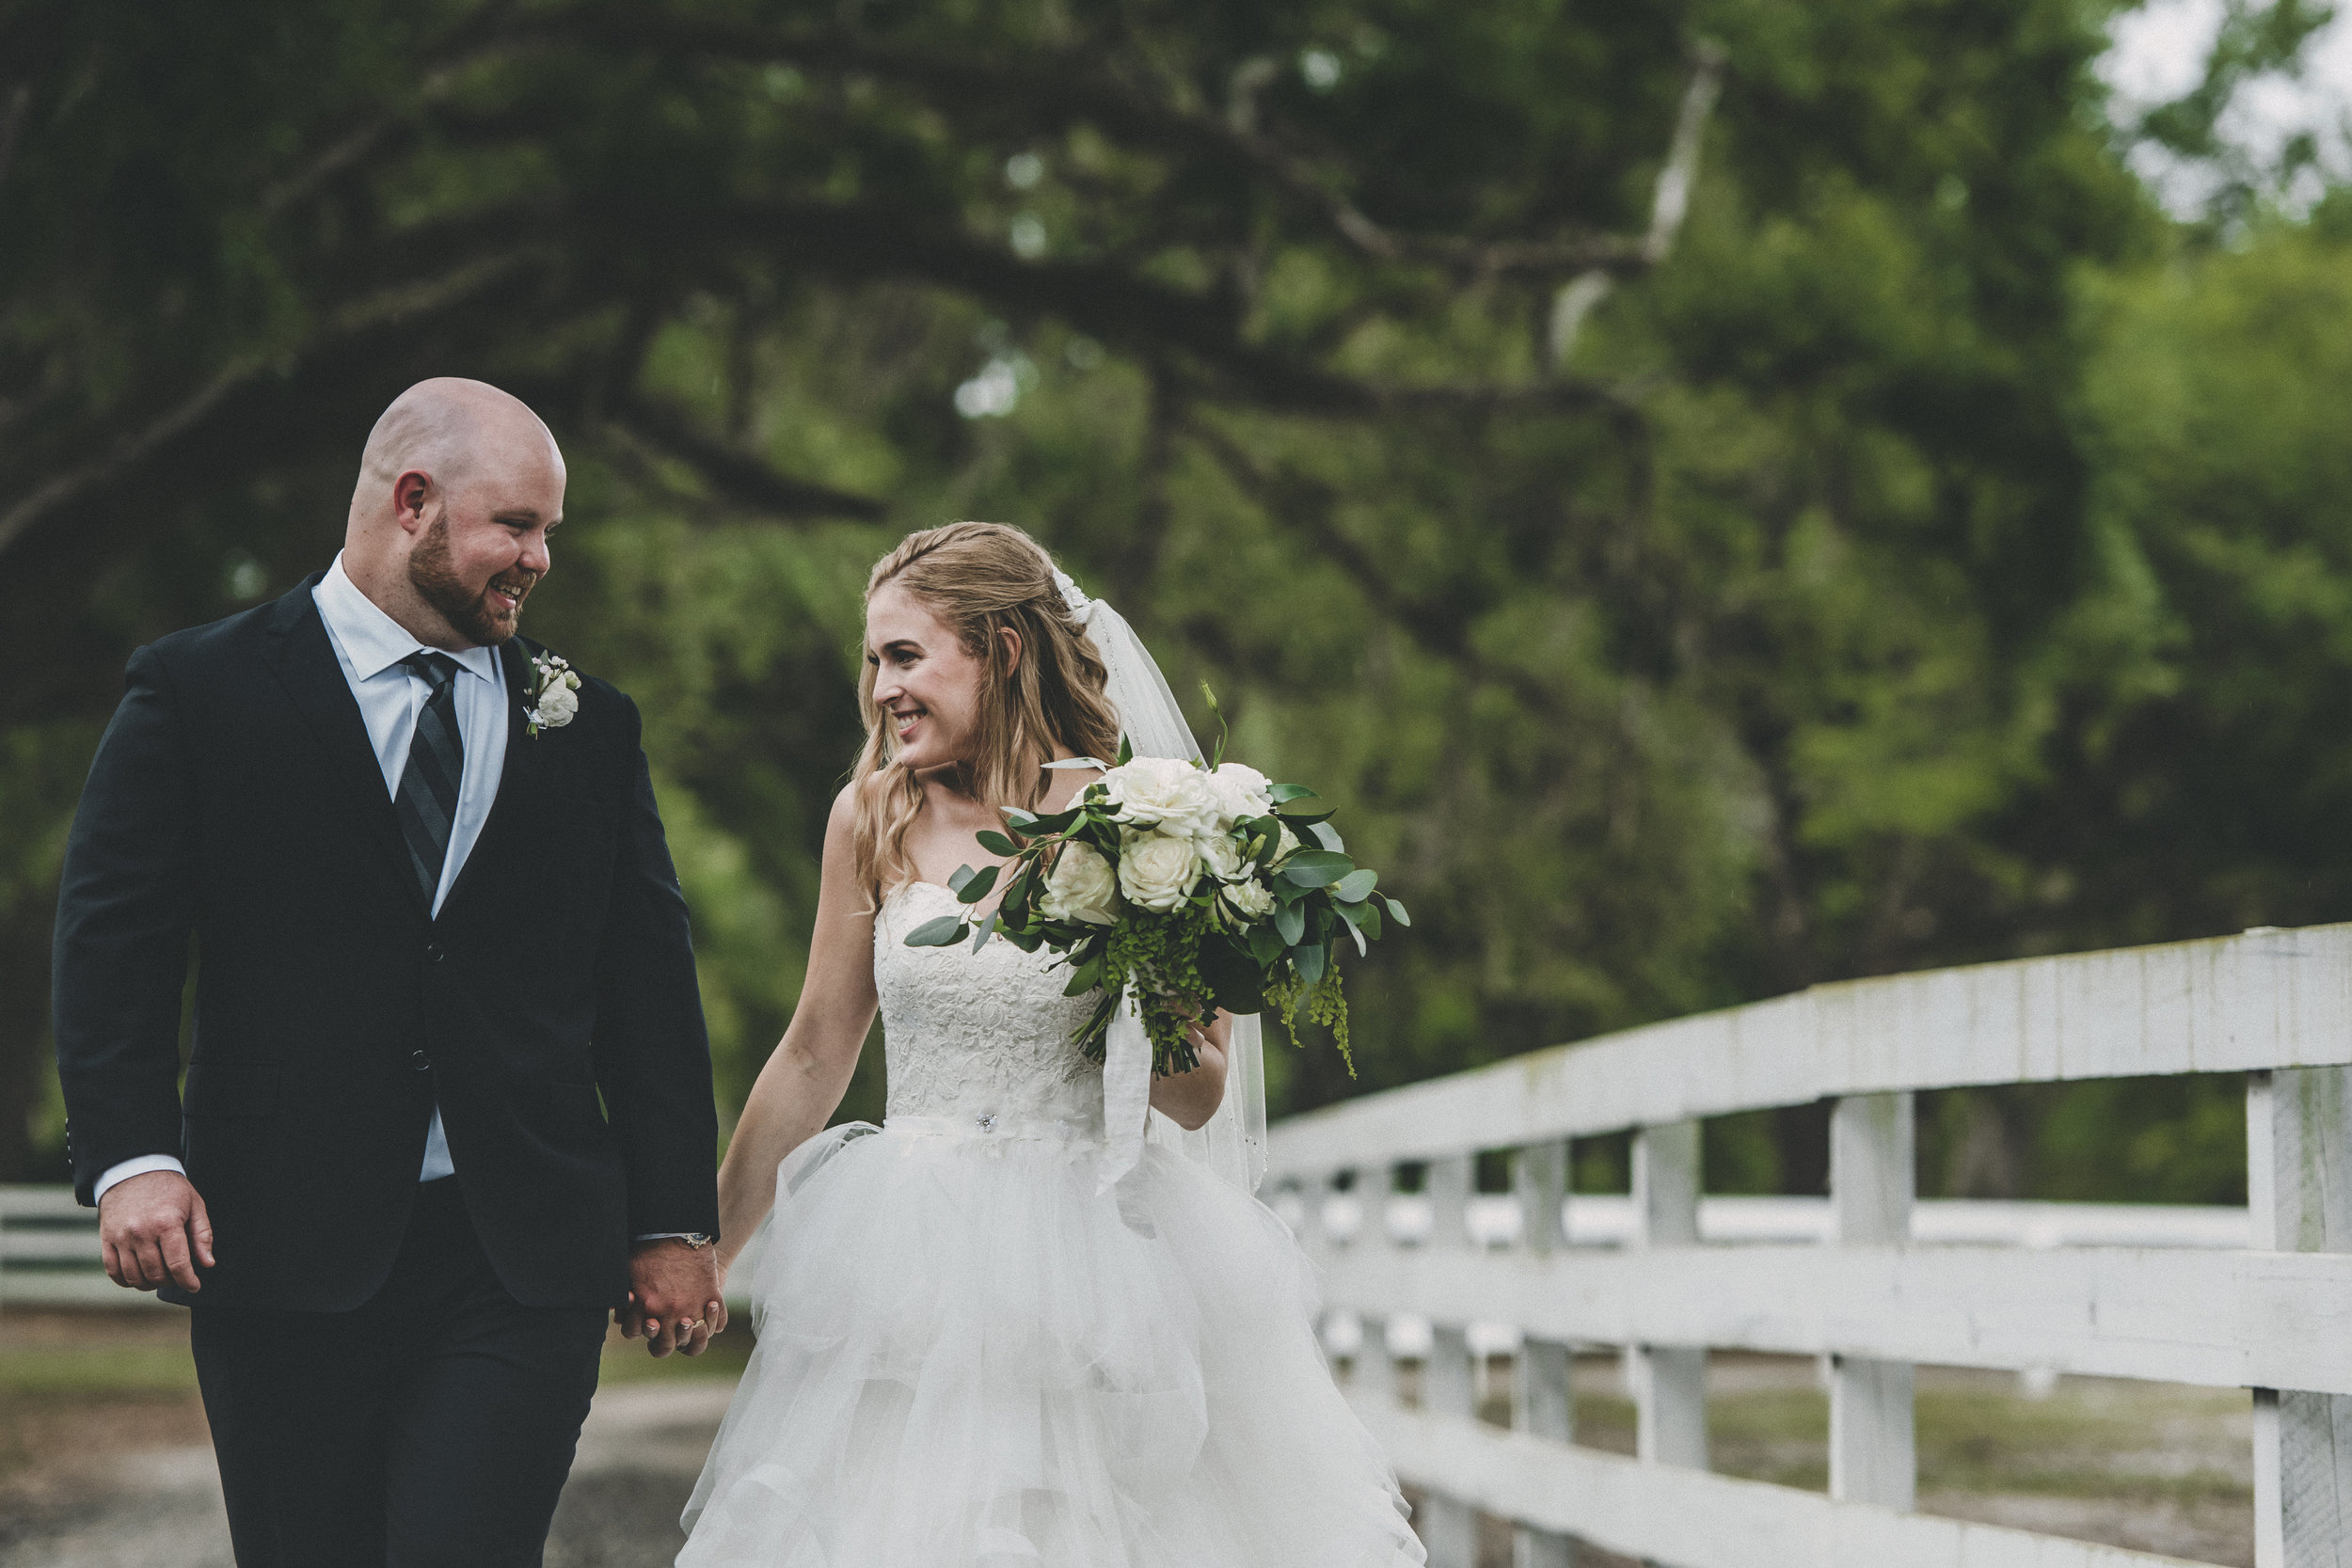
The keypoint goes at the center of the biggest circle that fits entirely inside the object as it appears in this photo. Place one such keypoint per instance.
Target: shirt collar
(372, 641)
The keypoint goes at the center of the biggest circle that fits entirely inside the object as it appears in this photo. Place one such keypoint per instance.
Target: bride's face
(924, 680)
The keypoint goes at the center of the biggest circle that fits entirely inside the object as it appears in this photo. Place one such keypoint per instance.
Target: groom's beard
(466, 608)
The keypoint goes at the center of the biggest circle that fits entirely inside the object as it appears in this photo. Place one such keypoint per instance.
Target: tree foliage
(1895, 561)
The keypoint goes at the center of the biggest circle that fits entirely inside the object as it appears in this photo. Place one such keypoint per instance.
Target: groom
(449, 1101)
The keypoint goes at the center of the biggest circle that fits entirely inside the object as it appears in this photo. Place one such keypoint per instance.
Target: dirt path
(161, 1508)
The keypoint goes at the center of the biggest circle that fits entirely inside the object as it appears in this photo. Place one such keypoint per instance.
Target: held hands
(674, 1299)
(153, 1231)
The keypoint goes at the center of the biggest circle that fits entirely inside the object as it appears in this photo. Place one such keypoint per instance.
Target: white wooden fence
(2272, 1313)
(49, 1253)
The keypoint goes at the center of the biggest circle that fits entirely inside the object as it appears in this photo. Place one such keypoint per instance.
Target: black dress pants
(431, 1428)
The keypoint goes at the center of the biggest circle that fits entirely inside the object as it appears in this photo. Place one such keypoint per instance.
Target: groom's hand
(154, 1231)
(674, 1299)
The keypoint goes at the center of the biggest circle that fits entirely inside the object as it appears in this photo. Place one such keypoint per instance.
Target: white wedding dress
(969, 1358)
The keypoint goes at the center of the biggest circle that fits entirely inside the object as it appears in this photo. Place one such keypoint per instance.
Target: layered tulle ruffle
(969, 1359)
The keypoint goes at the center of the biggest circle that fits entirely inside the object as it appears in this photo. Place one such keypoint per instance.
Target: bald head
(458, 487)
(449, 427)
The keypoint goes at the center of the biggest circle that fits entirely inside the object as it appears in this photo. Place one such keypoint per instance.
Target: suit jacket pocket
(231, 1089)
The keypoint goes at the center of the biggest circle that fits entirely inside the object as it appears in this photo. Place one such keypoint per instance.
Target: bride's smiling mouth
(903, 722)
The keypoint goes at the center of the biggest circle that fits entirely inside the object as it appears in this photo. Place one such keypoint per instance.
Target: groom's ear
(412, 492)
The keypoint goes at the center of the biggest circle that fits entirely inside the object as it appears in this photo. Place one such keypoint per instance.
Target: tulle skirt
(968, 1358)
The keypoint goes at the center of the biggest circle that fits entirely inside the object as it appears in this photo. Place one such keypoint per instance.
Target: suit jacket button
(421, 1061)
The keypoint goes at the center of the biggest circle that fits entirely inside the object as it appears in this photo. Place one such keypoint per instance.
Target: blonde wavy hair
(981, 579)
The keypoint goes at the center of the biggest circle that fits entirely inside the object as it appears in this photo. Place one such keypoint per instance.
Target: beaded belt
(995, 1128)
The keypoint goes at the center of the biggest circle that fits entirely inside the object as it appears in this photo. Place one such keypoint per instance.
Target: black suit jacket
(550, 1009)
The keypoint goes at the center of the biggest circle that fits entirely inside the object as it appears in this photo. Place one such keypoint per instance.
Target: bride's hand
(1190, 1098)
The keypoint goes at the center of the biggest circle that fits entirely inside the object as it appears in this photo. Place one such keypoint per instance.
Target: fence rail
(1875, 1283)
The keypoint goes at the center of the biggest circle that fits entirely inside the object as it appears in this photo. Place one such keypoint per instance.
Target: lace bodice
(978, 1035)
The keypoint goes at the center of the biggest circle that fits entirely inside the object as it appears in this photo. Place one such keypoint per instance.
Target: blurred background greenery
(1934, 549)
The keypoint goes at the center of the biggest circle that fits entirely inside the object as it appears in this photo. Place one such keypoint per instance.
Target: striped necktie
(426, 801)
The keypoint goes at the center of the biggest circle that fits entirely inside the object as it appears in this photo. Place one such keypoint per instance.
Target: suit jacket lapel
(304, 662)
(515, 775)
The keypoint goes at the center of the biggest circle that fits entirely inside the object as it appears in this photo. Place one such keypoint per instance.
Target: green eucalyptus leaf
(996, 843)
(1396, 913)
(962, 875)
(1020, 821)
(975, 884)
(946, 931)
(1290, 923)
(1311, 960)
(987, 928)
(1357, 885)
(1326, 836)
(1126, 750)
(1266, 941)
(1316, 868)
(1281, 793)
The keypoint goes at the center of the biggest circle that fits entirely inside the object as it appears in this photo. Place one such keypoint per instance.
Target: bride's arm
(809, 1071)
(1190, 1098)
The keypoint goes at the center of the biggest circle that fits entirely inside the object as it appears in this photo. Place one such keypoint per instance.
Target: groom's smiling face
(485, 549)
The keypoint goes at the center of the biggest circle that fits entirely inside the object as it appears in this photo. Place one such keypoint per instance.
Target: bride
(984, 1341)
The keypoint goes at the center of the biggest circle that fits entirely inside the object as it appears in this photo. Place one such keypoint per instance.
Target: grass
(629, 1361)
(2155, 1466)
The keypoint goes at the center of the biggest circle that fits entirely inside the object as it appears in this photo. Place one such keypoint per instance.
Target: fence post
(1376, 1369)
(1873, 1454)
(1543, 1394)
(1669, 1381)
(2298, 1149)
(1449, 1527)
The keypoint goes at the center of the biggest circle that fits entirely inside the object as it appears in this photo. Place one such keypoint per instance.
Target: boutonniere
(553, 692)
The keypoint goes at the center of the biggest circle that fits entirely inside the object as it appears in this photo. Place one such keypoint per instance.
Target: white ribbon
(1126, 1092)
(1233, 1142)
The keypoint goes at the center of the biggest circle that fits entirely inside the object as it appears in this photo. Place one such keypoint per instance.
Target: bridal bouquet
(1186, 886)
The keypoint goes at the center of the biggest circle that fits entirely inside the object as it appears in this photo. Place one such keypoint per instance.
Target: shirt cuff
(129, 1168)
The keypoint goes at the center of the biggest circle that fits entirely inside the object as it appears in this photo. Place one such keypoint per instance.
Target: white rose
(1079, 887)
(1240, 791)
(559, 705)
(1161, 792)
(1157, 870)
(1222, 856)
(1250, 899)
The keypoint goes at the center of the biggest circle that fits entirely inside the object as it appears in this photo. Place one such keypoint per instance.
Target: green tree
(1681, 609)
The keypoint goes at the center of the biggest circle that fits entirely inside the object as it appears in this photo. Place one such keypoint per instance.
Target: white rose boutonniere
(1157, 869)
(553, 692)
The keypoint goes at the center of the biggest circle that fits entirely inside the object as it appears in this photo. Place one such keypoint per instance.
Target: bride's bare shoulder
(1065, 785)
